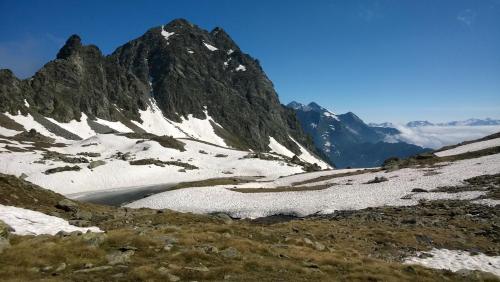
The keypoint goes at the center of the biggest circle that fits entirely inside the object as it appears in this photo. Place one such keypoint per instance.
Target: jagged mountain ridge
(186, 70)
(347, 140)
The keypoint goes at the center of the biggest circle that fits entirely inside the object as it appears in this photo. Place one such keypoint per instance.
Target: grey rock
(61, 267)
(94, 269)
(83, 215)
(230, 253)
(119, 257)
(94, 164)
(94, 239)
(80, 223)
(67, 205)
(5, 230)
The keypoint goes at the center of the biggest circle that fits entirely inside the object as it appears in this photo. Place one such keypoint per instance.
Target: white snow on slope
(154, 122)
(26, 103)
(80, 128)
(28, 222)
(29, 123)
(201, 129)
(476, 146)
(291, 179)
(166, 34)
(330, 114)
(342, 194)
(241, 68)
(456, 260)
(277, 148)
(306, 156)
(210, 47)
(8, 132)
(117, 174)
(116, 125)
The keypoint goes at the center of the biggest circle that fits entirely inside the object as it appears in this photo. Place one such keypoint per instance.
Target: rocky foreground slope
(376, 243)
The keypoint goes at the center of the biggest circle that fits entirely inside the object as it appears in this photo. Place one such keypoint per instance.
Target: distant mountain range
(420, 123)
(346, 140)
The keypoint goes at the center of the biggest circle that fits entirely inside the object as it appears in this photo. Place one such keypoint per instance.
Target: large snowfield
(213, 161)
(343, 193)
(28, 222)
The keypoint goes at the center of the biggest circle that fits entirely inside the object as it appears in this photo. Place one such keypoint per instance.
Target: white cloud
(438, 136)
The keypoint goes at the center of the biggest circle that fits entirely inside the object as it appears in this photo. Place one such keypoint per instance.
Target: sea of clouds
(436, 137)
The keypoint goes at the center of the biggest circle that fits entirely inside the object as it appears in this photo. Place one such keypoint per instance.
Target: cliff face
(188, 71)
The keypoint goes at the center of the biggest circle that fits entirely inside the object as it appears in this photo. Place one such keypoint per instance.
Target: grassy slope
(362, 245)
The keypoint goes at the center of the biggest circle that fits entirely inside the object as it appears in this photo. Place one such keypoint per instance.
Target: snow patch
(154, 122)
(166, 34)
(29, 123)
(8, 132)
(331, 115)
(201, 129)
(80, 128)
(476, 146)
(241, 68)
(306, 156)
(28, 222)
(26, 103)
(277, 148)
(455, 260)
(210, 47)
(115, 125)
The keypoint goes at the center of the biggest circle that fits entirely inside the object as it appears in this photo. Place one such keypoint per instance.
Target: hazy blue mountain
(346, 140)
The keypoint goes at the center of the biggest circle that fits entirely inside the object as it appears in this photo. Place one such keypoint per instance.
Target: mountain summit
(347, 140)
(178, 70)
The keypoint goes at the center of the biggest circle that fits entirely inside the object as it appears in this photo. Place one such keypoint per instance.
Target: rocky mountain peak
(315, 107)
(72, 45)
(186, 71)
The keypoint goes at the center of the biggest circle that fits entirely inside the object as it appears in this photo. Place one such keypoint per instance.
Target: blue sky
(385, 60)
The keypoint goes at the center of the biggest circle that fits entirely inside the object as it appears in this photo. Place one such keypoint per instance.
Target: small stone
(80, 223)
(119, 257)
(61, 267)
(224, 217)
(230, 253)
(319, 246)
(94, 269)
(94, 239)
(308, 241)
(310, 264)
(201, 268)
(419, 190)
(173, 278)
(94, 164)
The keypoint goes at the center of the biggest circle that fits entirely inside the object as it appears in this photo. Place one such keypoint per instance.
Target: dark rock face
(347, 140)
(187, 70)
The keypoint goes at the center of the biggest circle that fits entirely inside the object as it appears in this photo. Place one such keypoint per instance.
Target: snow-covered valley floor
(343, 193)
